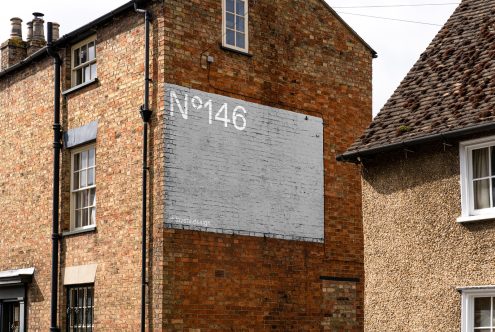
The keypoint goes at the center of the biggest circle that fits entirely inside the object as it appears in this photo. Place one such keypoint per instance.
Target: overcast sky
(398, 44)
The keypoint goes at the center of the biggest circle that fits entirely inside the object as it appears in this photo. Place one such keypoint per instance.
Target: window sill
(79, 87)
(482, 217)
(79, 231)
(230, 49)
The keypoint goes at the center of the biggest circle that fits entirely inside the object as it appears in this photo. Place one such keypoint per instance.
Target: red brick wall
(302, 60)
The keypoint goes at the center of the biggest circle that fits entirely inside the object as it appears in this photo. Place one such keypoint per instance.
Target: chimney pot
(55, 31)
(16, 32)
(29, 31)
(38, 29)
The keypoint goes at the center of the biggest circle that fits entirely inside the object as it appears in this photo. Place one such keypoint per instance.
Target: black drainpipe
(145, 115)
(56, 177)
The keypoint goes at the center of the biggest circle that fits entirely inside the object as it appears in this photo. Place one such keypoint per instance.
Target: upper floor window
(235, 24)
(83, 187)
(84, 61)
(478, 179)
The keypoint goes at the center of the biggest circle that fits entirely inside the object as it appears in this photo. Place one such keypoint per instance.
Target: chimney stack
(37, 40)
(14, 50)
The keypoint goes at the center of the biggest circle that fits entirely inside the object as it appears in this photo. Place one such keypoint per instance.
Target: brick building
(251, 223)
(428, 207)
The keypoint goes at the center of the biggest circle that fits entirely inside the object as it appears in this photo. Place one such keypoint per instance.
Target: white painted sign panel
(233, 166)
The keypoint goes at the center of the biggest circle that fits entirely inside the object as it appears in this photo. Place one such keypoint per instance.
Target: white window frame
(466, 175)
(467, 309)
(246, 27)
(73, 192)
(74, 68)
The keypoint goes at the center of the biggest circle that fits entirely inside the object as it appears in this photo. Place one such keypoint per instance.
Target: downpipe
(57, 146)
(145, 113)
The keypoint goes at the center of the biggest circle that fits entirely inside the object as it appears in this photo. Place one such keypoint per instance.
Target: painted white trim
(72, 59)
(74, 151)
(467, 305)
(16, 273)
(466, 174)
(246, 27)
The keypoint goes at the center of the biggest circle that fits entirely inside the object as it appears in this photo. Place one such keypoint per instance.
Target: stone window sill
(483, 217)
(79, 231)
(79, 87)
(229, 49)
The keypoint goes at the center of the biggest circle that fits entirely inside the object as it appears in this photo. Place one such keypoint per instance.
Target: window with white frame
(83, 187)
(84, 61)
(235, 24)
(478, 179)
(478, 310)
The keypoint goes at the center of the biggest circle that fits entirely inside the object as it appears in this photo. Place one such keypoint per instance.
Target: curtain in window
(481, 187)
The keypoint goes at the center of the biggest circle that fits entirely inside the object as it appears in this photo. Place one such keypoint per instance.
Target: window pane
(230, 5)
(91, 51)
(92, 197)
(76, 162)
(84, 160)
(91, 156)
(481, 193)
(76, 181)
(239, 7)
(84, 54)
(241, 40)
(230, 21)
(492, 154)
(79, 78)
(93, 71)
(78, 219)
(87, 74)
(85, 220)
(239, 24)
(91, 176)
(76, 57)
(92, 216)
(78, 200)
(82, 179)
(230, 37)
(480, 163)
(482, 312)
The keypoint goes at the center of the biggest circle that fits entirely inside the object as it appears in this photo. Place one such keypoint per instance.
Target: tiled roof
(450, 88)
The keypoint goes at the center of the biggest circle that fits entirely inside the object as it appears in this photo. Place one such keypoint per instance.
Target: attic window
(478, 179)
(235, 25)
(84, 62)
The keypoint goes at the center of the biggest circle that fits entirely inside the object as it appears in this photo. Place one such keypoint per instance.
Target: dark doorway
(10, 316)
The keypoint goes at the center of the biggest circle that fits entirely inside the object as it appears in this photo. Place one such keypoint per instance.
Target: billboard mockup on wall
(237, 167)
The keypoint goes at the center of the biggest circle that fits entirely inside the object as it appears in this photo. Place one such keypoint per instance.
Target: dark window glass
(80, 307)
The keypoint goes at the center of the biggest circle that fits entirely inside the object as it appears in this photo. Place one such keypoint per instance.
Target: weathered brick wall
(116, 245)
(303, 60)
(26, 116)
(25, 182)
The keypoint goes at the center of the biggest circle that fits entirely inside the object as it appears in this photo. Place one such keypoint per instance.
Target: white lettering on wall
(237, 117)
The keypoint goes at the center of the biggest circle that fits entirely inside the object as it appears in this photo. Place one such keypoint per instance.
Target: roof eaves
(373, 52)
(356, 155)
(70, 37)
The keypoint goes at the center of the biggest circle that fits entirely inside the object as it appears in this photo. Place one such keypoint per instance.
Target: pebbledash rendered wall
(413, 242)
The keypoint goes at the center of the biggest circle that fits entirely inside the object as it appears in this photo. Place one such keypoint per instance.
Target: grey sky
(398, 44)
